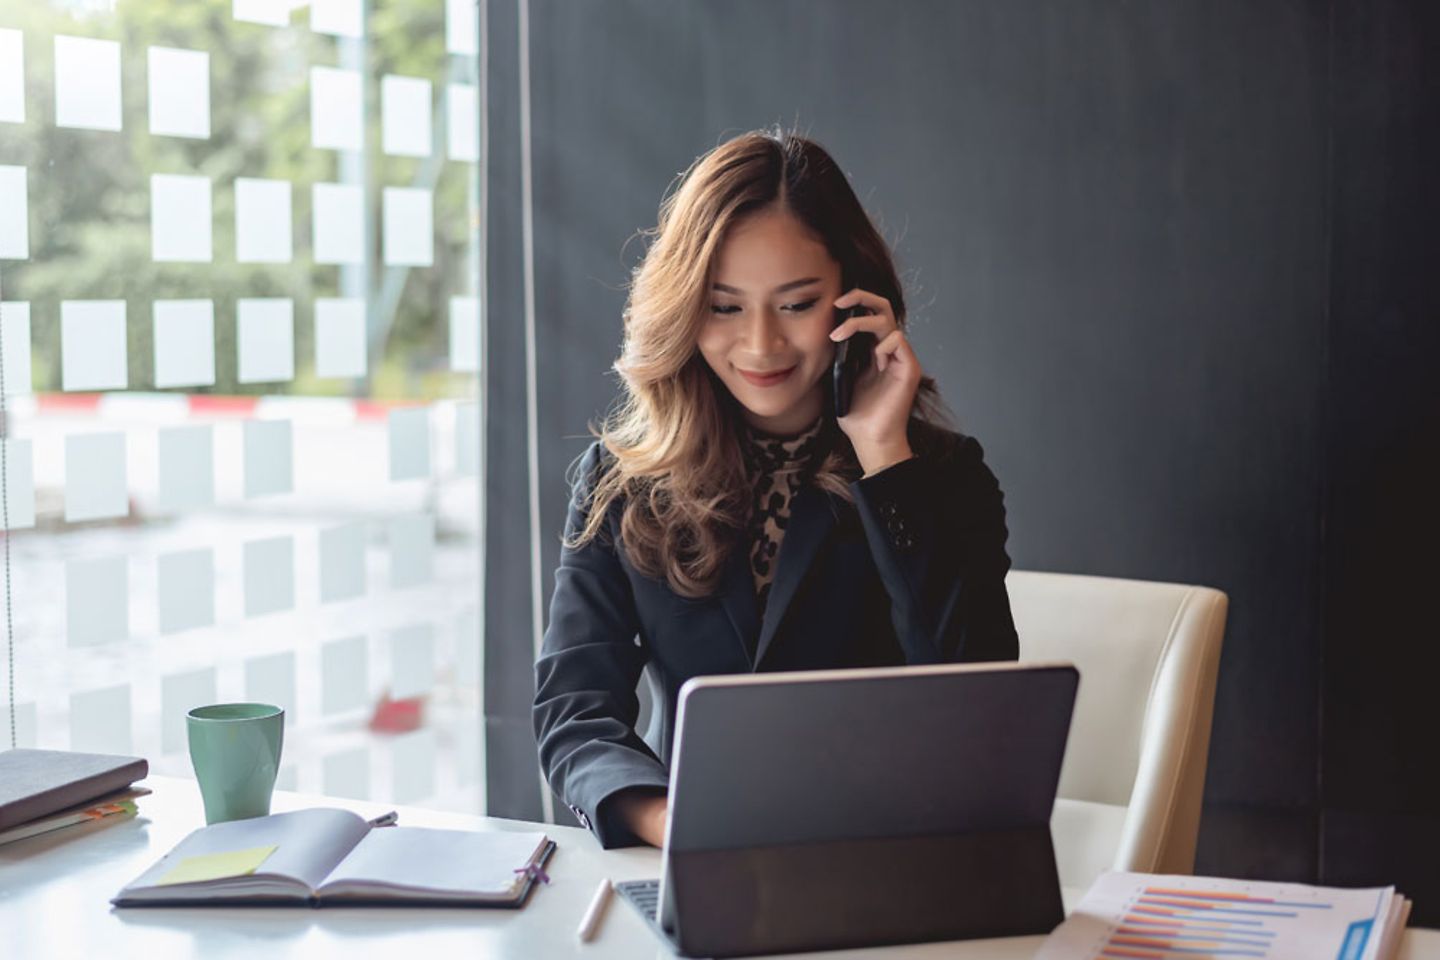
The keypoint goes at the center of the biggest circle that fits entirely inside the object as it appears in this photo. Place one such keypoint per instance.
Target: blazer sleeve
(936, 528)
(586, 677)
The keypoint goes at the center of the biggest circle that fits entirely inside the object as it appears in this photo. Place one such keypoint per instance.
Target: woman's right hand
(645, 812)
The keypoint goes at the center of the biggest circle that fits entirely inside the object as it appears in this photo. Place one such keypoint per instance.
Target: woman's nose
(762, 332)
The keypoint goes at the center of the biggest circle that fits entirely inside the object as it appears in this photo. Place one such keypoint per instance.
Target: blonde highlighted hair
(674, 438)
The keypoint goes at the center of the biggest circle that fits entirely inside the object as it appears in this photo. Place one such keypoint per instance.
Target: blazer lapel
(811, 517)
(738, 598)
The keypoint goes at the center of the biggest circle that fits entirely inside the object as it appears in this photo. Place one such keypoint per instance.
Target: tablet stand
(868, 892)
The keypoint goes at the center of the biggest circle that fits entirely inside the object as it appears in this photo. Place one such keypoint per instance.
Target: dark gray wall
(1115, 225)
(1381, 801)
(511, 783)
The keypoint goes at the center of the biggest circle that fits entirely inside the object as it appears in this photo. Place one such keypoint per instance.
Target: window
(239, 275)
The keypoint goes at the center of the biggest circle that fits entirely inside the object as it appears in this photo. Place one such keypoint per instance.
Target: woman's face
(767, 330)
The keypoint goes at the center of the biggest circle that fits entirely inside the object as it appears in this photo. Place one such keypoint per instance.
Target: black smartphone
(852, 356)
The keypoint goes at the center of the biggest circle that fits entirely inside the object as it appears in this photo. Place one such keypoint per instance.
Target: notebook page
(481, 865)
(1137, 914)
(308, 843)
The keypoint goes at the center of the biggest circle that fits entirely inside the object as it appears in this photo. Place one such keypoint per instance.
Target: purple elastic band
(534, 872)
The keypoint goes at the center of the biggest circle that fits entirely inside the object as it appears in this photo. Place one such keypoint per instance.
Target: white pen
(591, 924)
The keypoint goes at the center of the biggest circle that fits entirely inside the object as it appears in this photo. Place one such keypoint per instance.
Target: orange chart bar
(1231, 897)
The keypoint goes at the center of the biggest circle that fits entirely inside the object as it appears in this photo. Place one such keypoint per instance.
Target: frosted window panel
(412, 550)
(409, 231)
(15, 328)
(87, 83)
(339, 223)
(412, 662)
(340, 347)
(342, 18)
(467, 650)
(413, 766)
(186, 587)
(268, 460)
(184, 343)
(263, 230)
(100, 720)
(97, 601)
(25, 725)
(346, 774)
(269, 576)
(19, 484)
(12, 76)
(469, 753)
(92, 345)
(179, 694)
(410, 443)
(95, 485)
(344, 675)
(467, 439)
(272, 13)
(405, 116)
(465, 334)
(342, 562)
(187, 467)
(14, 214)
(179, 92)
(336, 109)
(265, 340)
(180, 219)
(271, 680)
(461, 26)
(462, 121)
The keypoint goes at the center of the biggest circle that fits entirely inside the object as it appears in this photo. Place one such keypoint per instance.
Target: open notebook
(325, 856)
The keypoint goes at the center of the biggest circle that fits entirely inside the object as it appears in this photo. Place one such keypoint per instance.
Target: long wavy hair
(674, 437)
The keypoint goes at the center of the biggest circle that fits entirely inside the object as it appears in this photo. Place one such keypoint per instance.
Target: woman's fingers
(890, 348)
(876, 323)
(874, 301)
(879, 321)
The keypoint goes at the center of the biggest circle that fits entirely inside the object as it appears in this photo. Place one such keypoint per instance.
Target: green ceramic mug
(235, 748)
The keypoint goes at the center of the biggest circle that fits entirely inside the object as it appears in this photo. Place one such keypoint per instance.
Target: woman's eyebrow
(726, 288)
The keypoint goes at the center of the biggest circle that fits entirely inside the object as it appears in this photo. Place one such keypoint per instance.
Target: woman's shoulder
(587, 470)
(940, 444)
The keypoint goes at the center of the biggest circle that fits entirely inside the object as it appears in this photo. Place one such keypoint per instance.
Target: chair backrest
(1148, 655)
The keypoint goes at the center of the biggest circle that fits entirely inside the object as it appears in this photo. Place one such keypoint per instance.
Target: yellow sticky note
(217, 866)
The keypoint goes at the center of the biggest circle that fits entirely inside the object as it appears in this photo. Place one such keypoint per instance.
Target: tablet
(843, 808)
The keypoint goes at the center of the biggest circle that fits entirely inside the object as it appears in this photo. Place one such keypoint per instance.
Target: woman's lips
(767, 380)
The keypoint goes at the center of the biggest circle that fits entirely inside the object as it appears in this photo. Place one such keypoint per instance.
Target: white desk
(55, 891)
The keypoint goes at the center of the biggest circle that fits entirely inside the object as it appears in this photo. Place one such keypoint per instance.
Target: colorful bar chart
(1147, 917)
(1168, 922)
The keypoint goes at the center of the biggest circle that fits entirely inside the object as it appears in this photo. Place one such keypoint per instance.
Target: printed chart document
(323, 856)
(1126, 916)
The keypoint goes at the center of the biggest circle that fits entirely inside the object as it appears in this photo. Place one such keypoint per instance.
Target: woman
(725, 520)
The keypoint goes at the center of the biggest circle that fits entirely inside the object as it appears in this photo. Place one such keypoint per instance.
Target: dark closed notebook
(34, 783)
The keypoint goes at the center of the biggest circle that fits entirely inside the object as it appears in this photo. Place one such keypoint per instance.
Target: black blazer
(913, 572)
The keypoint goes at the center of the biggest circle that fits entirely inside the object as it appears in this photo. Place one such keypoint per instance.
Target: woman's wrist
(645, 812)
(877, 458)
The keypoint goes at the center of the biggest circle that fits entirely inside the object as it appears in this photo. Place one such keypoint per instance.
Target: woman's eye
(801, 307)
(723, 308)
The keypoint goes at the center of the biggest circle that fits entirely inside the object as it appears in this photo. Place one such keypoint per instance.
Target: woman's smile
(768, 379)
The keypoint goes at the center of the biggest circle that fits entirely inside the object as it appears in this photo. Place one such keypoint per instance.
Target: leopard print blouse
(779, 467)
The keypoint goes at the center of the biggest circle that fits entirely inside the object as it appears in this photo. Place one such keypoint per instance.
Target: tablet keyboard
(643, 895)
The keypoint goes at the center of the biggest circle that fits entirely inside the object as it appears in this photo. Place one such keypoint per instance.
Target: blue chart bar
(1355, 940)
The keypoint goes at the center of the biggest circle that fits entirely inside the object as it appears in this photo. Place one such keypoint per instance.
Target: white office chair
(1134, 772)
